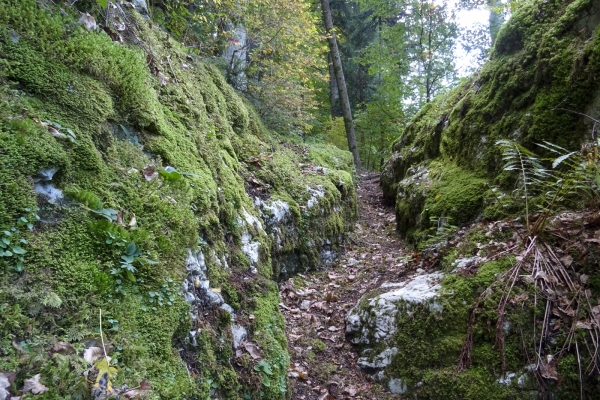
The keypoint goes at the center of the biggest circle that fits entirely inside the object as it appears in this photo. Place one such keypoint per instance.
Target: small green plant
(573, 174)
(131, 256)
(12, 240)
(265, 370)
(170, 174)
(108, 213)
(166, 295)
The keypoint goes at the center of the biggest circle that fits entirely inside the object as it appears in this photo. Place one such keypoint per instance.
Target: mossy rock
(542, 71)
(57, 80)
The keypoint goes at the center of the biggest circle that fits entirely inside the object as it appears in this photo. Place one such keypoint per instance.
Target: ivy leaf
(130, 276)
(127, 259)
(19, 250)
(170, 174)
(266, 381)
(19, 267)
(132, 250)
(107, 213)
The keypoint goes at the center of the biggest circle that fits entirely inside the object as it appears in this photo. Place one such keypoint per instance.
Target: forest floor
(323, 362)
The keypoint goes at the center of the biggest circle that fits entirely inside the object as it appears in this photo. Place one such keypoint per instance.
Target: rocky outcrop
(136, 181)
(541, 76)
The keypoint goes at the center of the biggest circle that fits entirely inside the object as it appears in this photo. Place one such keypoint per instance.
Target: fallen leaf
(333, 329)
(330, 297)
(596, 314)
(133, 221)
(584, 278)
(113, 35)
(351, 391)
(91, 354)
(305, 305)
(252, 349)
(583, 324)
(567, 260)
(54, 132)
(149, 173)
(63, 348)
(88, 22)
(6, 379)
(138, 392)
(163, 79)
(34, 386)
(120, 219)
(548, 369)
(103, 387)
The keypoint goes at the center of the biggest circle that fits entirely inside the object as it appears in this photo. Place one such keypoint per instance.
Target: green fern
(572, 175)
(531, 171)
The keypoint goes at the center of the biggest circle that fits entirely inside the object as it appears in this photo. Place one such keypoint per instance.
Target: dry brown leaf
(33, 385)
(91, 354)
(149, 173)
(548, 369)
(567, 260)
(351, 391)
(63, 348)
(163, 79)
(138, 392)
(583, 324)
(88, 22)
(596, 314)
(330, 297)
(252, 349)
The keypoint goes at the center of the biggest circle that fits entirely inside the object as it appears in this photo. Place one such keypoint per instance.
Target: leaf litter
(323, 365)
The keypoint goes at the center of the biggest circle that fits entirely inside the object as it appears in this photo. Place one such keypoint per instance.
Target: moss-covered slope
(544, 67)
(93, 218)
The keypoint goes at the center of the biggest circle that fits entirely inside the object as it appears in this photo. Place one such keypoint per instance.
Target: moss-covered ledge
(141, 183)
(544, 65)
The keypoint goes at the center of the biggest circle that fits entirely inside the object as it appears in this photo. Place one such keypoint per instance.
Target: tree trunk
(334, 94)
(496, 17)
(341, 83)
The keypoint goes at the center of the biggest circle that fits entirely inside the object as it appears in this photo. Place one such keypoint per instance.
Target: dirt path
(323, 363)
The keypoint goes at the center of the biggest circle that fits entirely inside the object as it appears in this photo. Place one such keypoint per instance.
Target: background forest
(396, 55)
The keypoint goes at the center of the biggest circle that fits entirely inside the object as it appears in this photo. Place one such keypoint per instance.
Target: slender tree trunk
(496, 17)
(334, 94)
(341, 83)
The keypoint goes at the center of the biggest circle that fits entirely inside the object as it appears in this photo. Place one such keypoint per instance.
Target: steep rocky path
(323, 363)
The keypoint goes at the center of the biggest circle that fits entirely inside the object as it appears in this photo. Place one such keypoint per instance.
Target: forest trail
(323, 363)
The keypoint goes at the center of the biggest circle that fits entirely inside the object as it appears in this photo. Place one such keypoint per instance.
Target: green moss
(429, 342)
(543, 59)
(124, 120)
